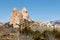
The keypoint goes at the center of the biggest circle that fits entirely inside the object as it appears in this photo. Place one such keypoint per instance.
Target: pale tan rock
(1, 24)
(25, 14)
(57, 26)
(48, 24)
(39, 22)
(16, 17)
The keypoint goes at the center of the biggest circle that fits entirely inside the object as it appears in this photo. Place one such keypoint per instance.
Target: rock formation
(48, 24)
(57, 27)
(16, 17)
(25, 14)
(1, 24)
(40, 22)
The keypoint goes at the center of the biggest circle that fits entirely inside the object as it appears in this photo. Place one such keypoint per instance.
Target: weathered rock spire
(25, 13)
(16, 17)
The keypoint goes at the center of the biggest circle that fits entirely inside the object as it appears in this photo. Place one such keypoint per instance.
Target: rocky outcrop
(48, 24)
(1, 24)
(25, 14)
(16, 18)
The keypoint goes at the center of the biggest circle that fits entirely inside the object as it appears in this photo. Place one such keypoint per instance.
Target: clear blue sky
(44, 10)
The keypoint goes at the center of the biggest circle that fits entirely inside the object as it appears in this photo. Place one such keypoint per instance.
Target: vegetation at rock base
(27, 31)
